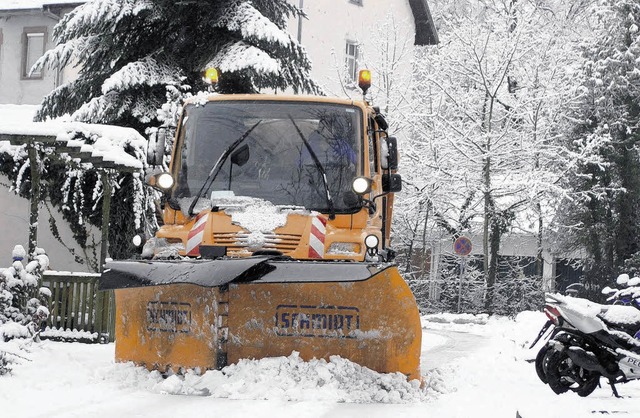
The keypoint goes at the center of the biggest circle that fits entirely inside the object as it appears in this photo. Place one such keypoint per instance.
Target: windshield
(271, 160)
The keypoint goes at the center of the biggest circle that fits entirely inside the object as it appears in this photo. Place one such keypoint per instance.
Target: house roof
(426, 33)
(9, 5)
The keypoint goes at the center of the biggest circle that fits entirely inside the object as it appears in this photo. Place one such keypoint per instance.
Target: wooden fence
(78, 305)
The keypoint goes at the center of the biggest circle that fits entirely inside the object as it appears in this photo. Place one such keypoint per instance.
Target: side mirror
(381, 121)
(392, 157)
(389, 153)
(156, 145)
(391, 183)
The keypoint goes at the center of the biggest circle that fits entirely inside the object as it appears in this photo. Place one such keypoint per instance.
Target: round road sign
(462, 246)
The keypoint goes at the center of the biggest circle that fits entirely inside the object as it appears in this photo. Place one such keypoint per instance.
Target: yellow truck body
(311, 282)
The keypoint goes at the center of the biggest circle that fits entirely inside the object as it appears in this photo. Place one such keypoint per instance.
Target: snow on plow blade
(209, 313)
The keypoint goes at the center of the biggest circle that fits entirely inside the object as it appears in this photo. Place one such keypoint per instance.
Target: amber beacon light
(364, 80)
(211, 76)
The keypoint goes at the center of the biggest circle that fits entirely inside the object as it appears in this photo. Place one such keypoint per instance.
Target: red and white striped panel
(316, 237)
(196, 234)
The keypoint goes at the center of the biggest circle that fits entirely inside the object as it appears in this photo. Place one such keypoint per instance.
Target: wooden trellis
(79, 153)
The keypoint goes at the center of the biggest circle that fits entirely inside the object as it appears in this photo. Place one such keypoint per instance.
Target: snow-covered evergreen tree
(605, 219)
(22, 300)
(130, 51)
(23, 303)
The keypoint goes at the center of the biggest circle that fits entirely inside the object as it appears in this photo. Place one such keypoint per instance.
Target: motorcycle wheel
(563, 375)
(542, 361)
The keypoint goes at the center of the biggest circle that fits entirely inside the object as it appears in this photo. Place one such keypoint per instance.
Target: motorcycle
(629, 294)
(588, 341)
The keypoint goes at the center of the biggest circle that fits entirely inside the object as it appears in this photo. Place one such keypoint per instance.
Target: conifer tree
(130, 51)
(607, 212)
(22, 300)
(135, 57)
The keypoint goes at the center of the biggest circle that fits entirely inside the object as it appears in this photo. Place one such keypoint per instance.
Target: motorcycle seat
(622, 318)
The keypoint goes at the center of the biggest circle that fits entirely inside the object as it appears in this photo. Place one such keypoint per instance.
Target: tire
(542, 360)
(563, 375)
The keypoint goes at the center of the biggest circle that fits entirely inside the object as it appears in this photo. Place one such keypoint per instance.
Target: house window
(33, 40)
(351, 62)
(358, 2)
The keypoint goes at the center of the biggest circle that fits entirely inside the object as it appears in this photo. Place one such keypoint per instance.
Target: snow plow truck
(275, 238)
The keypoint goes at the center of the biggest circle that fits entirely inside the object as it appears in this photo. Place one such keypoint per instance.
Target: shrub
(22, 300)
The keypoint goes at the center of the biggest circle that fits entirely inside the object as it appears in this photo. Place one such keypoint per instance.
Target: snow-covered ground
(481, 371)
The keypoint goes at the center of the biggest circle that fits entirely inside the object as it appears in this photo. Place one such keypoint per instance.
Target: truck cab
(304, 177)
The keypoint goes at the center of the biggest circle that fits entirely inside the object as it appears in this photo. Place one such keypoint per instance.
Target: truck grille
(241, 242)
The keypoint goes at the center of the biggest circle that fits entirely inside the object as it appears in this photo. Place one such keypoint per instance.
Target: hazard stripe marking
(196, 234)
(316, 237)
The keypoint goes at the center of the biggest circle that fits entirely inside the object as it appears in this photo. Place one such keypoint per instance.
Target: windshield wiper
(218, 166)
(332, 211)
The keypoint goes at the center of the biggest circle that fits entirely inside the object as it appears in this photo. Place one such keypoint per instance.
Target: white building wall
(14, 89)
(331, 23)
(14, 223)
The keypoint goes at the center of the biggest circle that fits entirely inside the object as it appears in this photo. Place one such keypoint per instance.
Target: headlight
(165, 181)
(361, 185)
(137, 240)
(371, 241)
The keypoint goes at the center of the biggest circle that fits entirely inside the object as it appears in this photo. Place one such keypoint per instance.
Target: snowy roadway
(441, 347)
(471, 369)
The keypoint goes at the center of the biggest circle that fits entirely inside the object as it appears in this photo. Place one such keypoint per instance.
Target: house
(343, 36)
(26, 31)
(336, 33)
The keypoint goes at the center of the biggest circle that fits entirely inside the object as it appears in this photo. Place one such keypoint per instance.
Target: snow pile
(254, 215)
(282, 378)
(11, 330)
(445, 318)
(69, 335)
(18, 253)
(16, 114)
(258, 217)
(618, 314)
(488, 376)
(101, 141)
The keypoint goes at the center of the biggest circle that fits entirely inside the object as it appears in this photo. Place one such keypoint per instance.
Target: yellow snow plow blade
(207, 314)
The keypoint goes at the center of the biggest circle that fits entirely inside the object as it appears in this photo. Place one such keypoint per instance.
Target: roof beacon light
(364, 80)
(211, 76)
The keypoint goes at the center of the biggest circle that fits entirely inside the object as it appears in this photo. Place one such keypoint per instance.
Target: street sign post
(463, 247)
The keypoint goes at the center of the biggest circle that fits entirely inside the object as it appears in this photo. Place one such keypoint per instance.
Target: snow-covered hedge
(23, 302)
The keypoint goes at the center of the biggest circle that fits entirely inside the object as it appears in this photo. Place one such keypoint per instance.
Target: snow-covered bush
(23, 302)
(471, 294)
(514, 290)
(4, 363)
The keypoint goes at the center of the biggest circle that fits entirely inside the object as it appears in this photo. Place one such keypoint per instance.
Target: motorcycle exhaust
(587, 360)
